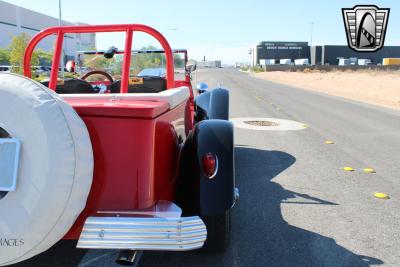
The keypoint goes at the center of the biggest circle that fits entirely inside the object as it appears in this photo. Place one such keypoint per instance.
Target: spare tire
(55, 168)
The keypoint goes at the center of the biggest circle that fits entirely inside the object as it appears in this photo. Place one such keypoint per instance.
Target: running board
(171, 234)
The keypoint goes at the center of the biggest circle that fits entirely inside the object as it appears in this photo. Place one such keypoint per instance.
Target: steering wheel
(100, 72)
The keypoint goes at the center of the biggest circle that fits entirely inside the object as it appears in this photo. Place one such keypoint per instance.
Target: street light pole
(311, 33)
(59, 12)
(253, 58)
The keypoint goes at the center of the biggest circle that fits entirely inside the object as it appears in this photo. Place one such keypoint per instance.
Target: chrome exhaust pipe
(237, 194)
(129, 257)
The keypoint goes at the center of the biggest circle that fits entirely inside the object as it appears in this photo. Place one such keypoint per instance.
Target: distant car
(157, 72)
(302, 62)
(41, 70)
(5, 68)
(285, 61)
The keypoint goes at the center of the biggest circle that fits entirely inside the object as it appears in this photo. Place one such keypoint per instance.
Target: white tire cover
(55, 170)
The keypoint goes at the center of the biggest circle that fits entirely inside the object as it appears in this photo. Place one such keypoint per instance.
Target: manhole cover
(267, 124)
(262, 123)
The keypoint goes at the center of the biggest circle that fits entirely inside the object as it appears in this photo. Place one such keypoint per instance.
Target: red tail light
(210, 165)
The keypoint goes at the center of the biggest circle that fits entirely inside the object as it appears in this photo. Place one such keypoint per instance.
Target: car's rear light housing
(210, 165)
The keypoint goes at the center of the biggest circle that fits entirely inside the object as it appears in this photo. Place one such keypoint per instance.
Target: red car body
(124, 181)
(148, 152)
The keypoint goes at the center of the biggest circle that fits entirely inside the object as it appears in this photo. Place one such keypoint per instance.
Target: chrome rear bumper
(133, 233)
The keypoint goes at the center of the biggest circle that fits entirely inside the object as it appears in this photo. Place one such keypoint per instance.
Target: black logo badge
(366, 27)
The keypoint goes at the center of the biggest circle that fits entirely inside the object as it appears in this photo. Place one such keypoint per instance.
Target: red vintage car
(128, 161)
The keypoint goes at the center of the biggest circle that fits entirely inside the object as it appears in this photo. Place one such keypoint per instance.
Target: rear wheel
(218, 231)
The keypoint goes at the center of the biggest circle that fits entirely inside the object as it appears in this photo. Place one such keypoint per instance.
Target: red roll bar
(128, 28)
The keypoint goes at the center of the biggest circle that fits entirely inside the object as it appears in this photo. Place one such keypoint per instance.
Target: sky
(219, 29)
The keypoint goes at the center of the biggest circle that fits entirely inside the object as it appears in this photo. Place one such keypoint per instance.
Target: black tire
(218, 232)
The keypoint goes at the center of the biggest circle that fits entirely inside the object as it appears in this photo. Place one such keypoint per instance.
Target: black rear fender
(196, 193)
(213, 104)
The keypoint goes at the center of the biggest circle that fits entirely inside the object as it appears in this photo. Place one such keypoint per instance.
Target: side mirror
(191, 67)
(201, 87)
(109, 53)
(70, 66)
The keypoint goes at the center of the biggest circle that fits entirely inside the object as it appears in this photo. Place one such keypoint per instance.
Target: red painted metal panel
(135, 144)
(136, 162)
(133, 109)
(191, 99)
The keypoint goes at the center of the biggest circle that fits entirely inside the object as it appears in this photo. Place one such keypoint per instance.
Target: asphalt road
(297, 207)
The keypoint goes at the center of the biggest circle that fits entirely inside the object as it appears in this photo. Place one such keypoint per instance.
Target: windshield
(143, 63)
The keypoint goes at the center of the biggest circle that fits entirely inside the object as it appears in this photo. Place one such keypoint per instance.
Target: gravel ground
(370, 86)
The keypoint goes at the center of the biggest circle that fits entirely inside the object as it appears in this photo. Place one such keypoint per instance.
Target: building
(330, 54)
(15, 20)
(272, 52)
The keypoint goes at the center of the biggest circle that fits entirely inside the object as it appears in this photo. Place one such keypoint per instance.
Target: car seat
(143, 84)
(73, 86)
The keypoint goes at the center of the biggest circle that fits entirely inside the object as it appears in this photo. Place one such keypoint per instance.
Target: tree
(45, 57)
(4, 56)
(98, 62)
(17, 50)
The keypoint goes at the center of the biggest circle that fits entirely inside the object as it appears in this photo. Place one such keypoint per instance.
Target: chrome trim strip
(176, 234)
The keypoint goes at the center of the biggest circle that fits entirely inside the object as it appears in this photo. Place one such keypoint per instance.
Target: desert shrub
(257, 69)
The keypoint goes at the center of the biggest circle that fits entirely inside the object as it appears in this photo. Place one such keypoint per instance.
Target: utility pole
(251, 58)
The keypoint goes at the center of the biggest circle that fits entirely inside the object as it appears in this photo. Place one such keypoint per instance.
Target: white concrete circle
(283, 125)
